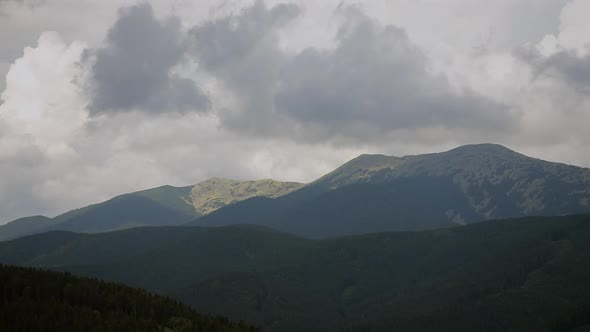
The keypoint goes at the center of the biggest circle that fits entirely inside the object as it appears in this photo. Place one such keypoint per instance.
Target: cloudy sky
(104, 97)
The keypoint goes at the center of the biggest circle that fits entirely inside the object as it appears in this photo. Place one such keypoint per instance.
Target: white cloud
(574, 31)
(41, 98)
(41, 114)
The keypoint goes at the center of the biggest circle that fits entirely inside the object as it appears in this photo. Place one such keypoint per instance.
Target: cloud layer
(115, 97)
(377, 81)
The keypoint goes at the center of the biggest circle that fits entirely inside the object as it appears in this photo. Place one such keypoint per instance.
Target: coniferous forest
(38, 300)
(525, 275)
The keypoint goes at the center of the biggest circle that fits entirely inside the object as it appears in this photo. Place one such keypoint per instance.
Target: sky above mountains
(104, 97)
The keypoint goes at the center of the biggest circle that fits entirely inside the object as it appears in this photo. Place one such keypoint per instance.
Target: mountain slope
(493, 178)
(124, 212)
(215, 193)
(24, 226)
(36, 300)
(159, 206)
(518, 275)
(374, 193)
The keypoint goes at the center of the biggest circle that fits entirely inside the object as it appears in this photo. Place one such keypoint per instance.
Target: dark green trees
(36, 300)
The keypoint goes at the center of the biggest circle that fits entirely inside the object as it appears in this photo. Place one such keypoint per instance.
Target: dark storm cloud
(222, 42)
(133, 71)
(376, 78)
(243, 51)
(374, 81)
(566, 66)
(572, 68)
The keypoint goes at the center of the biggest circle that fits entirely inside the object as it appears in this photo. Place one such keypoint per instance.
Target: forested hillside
(519, 275)
(36, 300)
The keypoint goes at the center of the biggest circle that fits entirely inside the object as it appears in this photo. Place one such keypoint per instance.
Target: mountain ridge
(214, 193)
(163, 205)
(467, 184)
(380, 193)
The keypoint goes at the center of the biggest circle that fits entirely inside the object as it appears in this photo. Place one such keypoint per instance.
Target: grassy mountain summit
(161, 206)
(215, 193)
(373, 193)
(510, 275)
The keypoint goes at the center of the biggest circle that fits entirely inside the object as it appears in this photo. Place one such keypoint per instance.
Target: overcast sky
(100, 98)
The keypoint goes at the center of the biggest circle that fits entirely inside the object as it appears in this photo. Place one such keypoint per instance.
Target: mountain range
(374, 193)
(370, 193)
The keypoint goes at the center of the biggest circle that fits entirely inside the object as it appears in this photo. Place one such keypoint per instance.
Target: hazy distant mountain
(379, 193)
(160, 206)
(511, 275)
(25, 226)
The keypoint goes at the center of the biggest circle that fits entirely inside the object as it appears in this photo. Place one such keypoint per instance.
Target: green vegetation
(37, 300)
(176, 198)
(519, 275)
(216, 193)
(375, 193)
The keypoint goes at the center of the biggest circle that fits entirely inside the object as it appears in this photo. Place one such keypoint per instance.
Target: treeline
(38, 300)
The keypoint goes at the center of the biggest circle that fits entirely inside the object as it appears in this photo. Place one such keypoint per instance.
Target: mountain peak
(473, 158)
(379, 161)
(214, 193)
(372, 161)
(484, 148)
